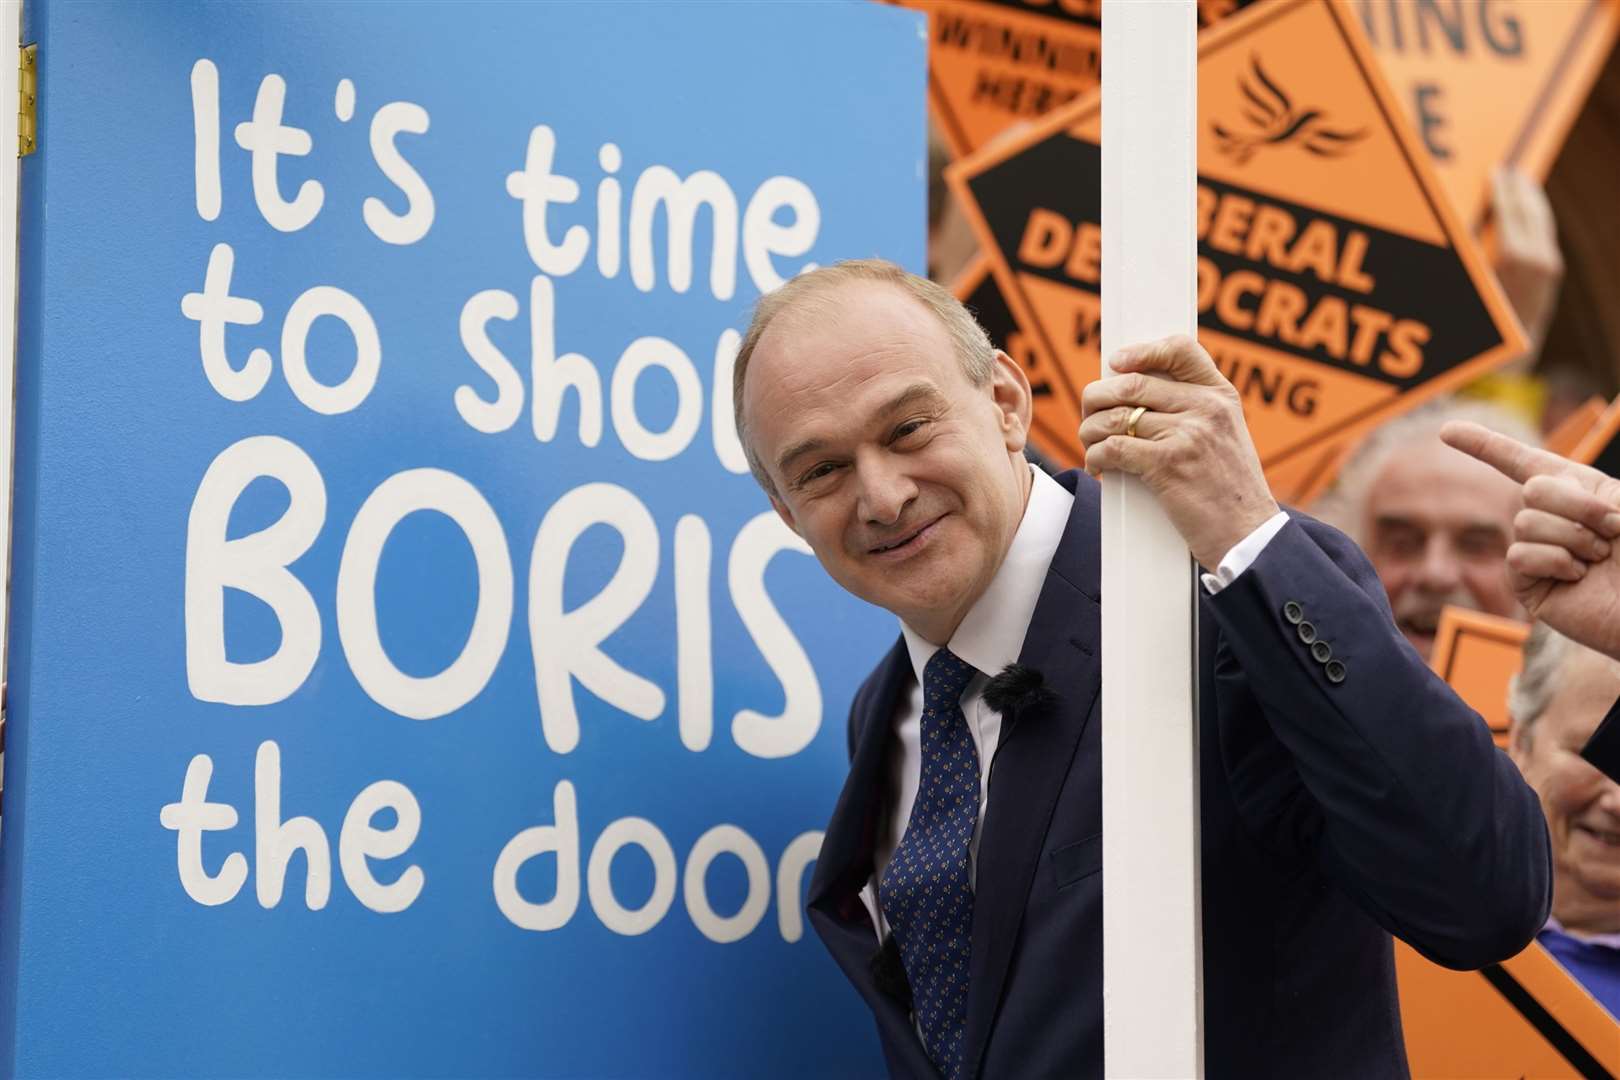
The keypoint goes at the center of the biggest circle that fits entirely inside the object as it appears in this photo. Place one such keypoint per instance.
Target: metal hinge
(27, 94)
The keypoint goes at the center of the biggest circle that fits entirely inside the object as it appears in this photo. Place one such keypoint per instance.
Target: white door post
(1152, 940)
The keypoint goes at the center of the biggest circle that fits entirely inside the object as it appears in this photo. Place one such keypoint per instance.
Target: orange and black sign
(1573, 429)
(992, 63)
(1335, 284)
(1490, 82)
(1600, 447)
(1526, 1016)
(1301, 480)
(1056, 423)
(1478, 655)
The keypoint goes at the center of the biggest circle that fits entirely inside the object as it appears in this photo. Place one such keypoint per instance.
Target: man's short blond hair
(803, 293)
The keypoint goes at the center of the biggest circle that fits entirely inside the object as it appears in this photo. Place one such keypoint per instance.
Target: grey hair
(1532, 689)
(1344, 505)
(968, 338)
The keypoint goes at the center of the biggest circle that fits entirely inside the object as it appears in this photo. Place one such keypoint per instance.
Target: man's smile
(906, 544)
(1606, 837)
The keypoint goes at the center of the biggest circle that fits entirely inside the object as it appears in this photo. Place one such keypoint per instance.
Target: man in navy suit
(1347, 794)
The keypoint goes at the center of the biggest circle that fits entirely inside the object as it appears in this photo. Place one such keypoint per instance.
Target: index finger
(1508, 456)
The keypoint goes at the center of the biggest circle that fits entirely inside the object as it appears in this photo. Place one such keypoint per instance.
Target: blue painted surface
(110, 968)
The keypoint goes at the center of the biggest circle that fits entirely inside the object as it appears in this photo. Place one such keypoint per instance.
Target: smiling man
(1556, 702)
(1435, 523)
(958, 885)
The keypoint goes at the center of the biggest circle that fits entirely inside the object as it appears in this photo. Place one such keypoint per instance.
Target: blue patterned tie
(925, 891)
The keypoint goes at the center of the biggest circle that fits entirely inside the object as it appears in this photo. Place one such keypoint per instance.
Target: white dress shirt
(990, 637)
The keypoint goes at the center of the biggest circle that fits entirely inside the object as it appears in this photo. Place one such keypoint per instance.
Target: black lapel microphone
(1016, 689)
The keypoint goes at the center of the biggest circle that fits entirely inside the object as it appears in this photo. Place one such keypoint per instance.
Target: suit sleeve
(1425, 823)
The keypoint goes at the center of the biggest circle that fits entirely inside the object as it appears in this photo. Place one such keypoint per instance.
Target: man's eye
(1400, 540)
(907, 429)
(1479, 543)
(824, 469)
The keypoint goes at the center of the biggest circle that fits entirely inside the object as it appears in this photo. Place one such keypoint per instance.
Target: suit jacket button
(1293, 612)
(1321, 652)
(1334, 671)
(1307, 633)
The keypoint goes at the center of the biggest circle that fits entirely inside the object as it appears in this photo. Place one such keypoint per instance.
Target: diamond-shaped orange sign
(1527, 1016)
(1600, 446)
(1490, 81)
(1336, 285)
(1478, 655)
(993, 63)
(1057, 421)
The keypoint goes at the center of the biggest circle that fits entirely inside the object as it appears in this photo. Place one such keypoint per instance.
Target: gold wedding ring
(1136, 414)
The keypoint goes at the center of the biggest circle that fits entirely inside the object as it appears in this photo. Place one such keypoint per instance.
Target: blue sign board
(406, 675)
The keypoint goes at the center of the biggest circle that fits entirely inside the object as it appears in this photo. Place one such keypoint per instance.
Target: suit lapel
(844, 865)
(1034, 758)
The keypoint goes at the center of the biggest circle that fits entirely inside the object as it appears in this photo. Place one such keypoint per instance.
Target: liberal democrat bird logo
(1278, 122)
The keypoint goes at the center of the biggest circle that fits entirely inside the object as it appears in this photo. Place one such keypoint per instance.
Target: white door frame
(1152, 939)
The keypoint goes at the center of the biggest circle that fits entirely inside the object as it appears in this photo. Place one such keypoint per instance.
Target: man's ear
(1009, 388)
(1518, 747)
(786, 515)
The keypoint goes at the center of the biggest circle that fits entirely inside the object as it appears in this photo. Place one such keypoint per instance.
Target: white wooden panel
(1152, 981)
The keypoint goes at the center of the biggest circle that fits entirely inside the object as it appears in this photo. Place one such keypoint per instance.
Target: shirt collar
(992, 633)
(1607, 941)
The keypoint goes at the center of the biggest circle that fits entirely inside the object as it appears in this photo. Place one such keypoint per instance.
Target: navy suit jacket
(1334, 814)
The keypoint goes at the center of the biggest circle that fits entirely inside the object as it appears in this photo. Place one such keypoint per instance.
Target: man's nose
(885, 489)
(1440, 570)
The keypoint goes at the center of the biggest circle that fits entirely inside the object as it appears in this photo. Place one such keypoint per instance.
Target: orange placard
(1302, 481)
(1478, 655)
(1336, 286)
(992, 63)
(1490, 81)
(1527, 1017)
(1057, 421)
(1573, 429)
(1600, 447)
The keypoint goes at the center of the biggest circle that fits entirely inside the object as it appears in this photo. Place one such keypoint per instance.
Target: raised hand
(1528, 262)
(1563, 562)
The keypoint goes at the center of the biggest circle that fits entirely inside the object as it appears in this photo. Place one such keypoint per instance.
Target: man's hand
(1563, 562)
(1528, 262)
(1191, 447)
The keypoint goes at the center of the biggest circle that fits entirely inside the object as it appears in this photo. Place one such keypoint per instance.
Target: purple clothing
(1594, 961)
